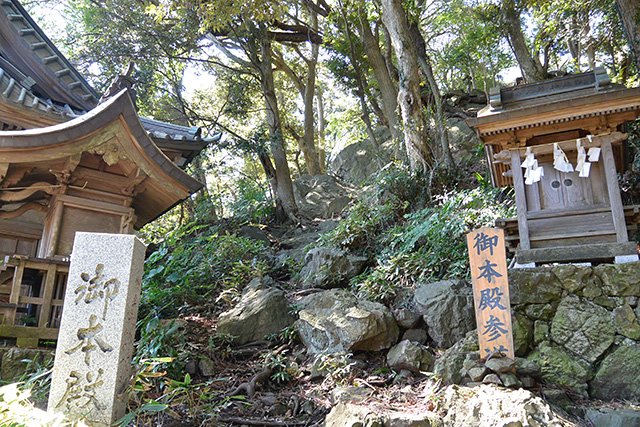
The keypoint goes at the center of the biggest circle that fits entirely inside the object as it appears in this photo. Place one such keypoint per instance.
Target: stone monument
(97, 330)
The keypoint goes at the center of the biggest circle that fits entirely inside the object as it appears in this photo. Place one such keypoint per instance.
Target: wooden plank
(521, 200)
(576, 253)
(17, 283)
(49, 283)
(574, 241)
(560, 236)
(28, 332)
(615, 199)
(572, 224)
(488, 262)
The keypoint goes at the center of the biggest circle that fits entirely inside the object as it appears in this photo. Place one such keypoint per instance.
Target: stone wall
(580, 324)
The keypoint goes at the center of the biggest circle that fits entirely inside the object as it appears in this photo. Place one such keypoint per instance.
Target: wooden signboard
(488, 262)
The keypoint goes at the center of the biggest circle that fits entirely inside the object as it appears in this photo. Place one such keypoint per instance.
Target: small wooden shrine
(70, 162)
(561, 144)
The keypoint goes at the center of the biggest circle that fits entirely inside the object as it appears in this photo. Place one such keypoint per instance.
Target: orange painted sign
(488, 262)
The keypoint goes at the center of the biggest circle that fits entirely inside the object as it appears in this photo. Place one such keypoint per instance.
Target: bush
(195, 263)
(431, 244)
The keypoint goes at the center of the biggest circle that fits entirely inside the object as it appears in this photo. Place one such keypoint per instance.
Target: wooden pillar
(611, 176)
(521, 200)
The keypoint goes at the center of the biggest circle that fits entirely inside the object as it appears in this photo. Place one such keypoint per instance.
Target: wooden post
(488, 262)
(609, 164)
(47, 296)
(521, 200)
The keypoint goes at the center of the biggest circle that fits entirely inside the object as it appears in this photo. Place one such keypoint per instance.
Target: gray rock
(619, 279)
(490, 406)
(540, 332)
(415, 335)
(351, 415)
(261, 311)
(358, 162)
(510, 380)
(320, 196)
(350, 394)
(492, 379)
(561, 368)
(625, 322)
(330, 267)
(447, 309)
(526, 367)
(533, 286)
(254, 233)
(206, 366)
(619, 374)
(477, 373)
(335, 321)
(406, 318)
(448, 366)
(411, 356)
(540, 311)
(528, 382)
(573, 277)
(613, 417)
(522, 333)
(582, 327)
(500, 365)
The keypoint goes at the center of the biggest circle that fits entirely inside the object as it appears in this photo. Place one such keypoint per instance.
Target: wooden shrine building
(68, 163)
(561, 144)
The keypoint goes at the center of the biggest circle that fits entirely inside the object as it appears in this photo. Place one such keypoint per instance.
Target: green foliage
(17, 411)
(253, 202)
(36, 379)
(194, 264)
(430, 244)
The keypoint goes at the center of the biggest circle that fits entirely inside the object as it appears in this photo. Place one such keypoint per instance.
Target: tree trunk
(361, 89)
(308, 144)
(530, 65)
(442, 137)
(282, 186)
(388, 90)
(630, 16)
(321, 130)
(409, 98)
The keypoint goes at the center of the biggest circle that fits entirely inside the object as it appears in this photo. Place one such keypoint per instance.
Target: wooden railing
(31, 297)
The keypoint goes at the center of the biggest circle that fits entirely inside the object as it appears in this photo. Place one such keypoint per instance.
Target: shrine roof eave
(83, 134)
(490, 121)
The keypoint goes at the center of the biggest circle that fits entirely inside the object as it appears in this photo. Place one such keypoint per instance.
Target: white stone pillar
(97, 330)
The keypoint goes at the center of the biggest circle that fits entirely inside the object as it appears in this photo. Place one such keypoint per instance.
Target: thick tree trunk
(388, 90)
(532, 69)
(395, 19)
(282, 186)
(630, 15)
(321, 130)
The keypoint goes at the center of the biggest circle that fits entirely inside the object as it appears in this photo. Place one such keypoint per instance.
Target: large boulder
(358, 162)
(320, 196)
(619, 374)
(491, 406)
(561, 368)
(262, 310)
(619, 279)
(330, 267)
(335, 321)
(351, 415)
(447, 309)
(583, 328)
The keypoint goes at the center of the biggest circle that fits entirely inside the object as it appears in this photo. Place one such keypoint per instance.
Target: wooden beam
(521, 200)
(6, 195)
(22, 209)
(576, 253)
(611, 178)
